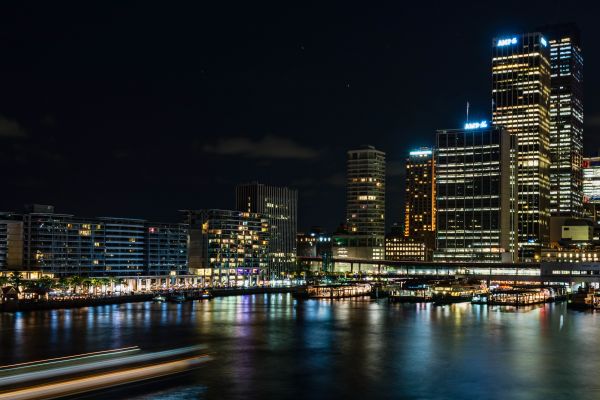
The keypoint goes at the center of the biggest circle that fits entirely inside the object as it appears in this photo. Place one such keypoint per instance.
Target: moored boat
(455, 292)
(159, 298)
(176, 298)
(334, 291)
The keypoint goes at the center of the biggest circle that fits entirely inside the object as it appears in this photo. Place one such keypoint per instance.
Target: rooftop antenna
(467, 111)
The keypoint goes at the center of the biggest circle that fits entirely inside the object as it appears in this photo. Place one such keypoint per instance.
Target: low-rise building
(314, 243)
(63, 244)
(228, 248)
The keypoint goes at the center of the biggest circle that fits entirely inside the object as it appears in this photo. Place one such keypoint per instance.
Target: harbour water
(275, 347)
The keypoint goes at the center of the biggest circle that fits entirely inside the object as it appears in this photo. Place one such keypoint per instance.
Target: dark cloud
(11, 128)
(267, 147)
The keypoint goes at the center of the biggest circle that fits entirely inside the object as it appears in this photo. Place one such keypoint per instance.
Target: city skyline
(60, 151)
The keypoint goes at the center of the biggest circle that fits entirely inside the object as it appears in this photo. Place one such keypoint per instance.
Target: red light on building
(152, 230)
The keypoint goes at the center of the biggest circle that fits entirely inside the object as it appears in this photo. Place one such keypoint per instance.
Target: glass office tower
(476, 194)
(566, 120)
(521, 103)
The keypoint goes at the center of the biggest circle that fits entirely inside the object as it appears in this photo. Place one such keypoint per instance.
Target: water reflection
(272, 346)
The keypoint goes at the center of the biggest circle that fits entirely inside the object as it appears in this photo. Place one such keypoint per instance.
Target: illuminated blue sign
(543, 41)
(476, 125)
(420, 153)
(507, 42)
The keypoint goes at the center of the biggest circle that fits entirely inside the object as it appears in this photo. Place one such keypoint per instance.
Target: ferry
(455, 292)
(519, 296)
(585, 299)
(334, 291)
(420, 293)
(206, 295)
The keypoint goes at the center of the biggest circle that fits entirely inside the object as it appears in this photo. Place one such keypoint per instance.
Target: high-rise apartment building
(521, 103)
(365, 191)
(365, 205)
(419, 197)
(476, 194)
(280, 206)
(566, 119)
(228, 247)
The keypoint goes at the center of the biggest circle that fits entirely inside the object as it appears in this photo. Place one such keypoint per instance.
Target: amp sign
(476, 125)
(507, 41)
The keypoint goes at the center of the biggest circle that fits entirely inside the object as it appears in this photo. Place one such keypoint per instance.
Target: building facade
(62, 244)
(591, 180)
(166, 248)
(419, 198)
(314, 243)
(228, 248)
(11, 241)
(566, 120)
(476, 194)
(400, 248)
(280, 206)
(521, 103)
(365, 204)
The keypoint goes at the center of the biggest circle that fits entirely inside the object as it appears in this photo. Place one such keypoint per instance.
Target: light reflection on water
(271, 346)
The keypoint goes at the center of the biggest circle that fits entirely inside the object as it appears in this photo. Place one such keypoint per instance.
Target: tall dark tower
(521, 103)
(566, 120)
(280, 206)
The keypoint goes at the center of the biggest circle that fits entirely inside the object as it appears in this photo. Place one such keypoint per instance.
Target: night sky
(141, 109)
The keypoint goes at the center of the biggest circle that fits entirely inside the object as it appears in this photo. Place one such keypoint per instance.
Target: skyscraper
(365, 192)
(280, 206)
(520, 103)
(476, 198)
(365, 205)
(566, 120)
(419, 198)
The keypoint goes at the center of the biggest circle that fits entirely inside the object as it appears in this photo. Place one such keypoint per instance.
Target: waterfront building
(11, 241)
(166, 248)
(591, 180)
(579, 242)
(62, 244)
(476, 194)
(365, 205)
(280, 206)
(228, 248)
(419, 198)
(314, 243)
(566, 119)
(521, 103)
(400, 248)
